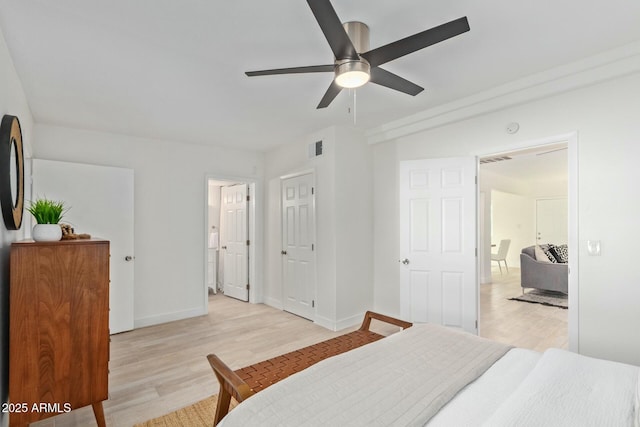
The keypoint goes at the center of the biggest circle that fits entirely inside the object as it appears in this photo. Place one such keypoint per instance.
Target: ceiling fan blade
(294, 70)
(329, 95)
(416, 42)
(332, 28)
(392, 81)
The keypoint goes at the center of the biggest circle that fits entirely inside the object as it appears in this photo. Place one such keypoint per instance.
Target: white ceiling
(174, 70)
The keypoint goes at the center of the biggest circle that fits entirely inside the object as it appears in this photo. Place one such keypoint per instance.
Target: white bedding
(566, 389)
(401, 380)
(480, 399)
(523, 388)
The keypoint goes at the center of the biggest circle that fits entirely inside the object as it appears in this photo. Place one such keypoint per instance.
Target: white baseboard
(168, 317)
(339, 325)
(274, 302)
(325, 323)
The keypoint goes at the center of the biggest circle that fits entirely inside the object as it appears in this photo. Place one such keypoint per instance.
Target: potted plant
(47, 214)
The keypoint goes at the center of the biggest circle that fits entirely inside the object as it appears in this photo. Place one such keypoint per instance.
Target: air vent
(315, 149)
(494, 159)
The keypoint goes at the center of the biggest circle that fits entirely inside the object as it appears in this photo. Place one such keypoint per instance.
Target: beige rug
(200, 414)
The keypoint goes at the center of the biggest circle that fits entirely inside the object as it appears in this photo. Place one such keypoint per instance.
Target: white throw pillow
(540, 255)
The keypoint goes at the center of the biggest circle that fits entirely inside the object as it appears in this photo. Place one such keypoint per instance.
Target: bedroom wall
(169, 219)
(344, 229)
(605, 118)
(13, 102)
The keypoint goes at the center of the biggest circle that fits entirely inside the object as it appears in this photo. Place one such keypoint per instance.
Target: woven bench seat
(245, 382)
(263, 374)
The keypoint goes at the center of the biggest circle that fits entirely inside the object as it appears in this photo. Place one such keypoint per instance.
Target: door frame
(571, 139)
(311, 172)
(255, 230)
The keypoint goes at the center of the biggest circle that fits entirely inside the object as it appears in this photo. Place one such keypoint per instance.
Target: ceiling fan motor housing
(354, 72)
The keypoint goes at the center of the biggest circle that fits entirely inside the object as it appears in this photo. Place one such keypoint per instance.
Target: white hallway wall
(169, 219)
(13, 102)
(344, 225)
(605, 117)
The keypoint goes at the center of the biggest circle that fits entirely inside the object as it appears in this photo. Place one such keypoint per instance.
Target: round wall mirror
(11, 172)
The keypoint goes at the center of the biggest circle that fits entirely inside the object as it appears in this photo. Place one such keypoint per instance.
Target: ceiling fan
(354, 63)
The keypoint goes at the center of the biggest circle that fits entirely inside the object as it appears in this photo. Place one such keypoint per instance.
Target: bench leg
(222, 408)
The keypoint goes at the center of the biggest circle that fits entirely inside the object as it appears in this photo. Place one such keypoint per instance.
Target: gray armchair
(542, 275)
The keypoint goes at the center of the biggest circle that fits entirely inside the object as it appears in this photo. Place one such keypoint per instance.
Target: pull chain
(354, 107)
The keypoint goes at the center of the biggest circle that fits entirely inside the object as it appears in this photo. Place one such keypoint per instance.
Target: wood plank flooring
(158, 369)
(521, 324)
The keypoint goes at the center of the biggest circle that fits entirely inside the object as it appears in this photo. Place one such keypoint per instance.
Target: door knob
(405, 261)
(128, 258)
(223, 247)
(283, 252)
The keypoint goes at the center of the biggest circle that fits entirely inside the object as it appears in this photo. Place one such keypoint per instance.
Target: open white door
(234, 243)
(298, 232)
(100, 199)
(438, 270)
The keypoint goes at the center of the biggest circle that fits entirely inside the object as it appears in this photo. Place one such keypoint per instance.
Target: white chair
(502, 254)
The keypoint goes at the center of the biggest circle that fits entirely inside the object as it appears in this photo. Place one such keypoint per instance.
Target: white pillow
(540, 255)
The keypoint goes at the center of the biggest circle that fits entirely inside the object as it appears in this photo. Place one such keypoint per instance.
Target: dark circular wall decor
(11, 172)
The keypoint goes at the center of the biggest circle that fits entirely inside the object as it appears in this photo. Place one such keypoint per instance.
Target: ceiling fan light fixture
(352, 74)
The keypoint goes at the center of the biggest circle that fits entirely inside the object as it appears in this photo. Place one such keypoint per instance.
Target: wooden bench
(245, 382)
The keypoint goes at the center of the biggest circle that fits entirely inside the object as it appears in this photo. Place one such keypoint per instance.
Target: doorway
(298, 249)
(516, 185)
(230, 243)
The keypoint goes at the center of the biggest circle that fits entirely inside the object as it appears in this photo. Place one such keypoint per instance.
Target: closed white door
(234, 241)
(298, 236)
(438, 264)
(552, 221)
(100, 201)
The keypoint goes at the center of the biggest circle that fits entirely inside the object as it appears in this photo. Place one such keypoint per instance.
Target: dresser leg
(98, 411)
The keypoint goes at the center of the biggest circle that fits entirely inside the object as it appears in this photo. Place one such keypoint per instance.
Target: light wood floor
(521, 324)
(158, 369)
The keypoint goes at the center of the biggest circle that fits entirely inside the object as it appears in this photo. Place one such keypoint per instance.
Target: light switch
(593, 247)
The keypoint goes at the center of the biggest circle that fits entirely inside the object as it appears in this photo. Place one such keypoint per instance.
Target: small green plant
(47, 211)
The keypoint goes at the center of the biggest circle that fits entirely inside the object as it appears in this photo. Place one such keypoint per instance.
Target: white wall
(354, 227)
(344, 229)
(605, 117)
(170, 196)
(13, 102)
(513, 218)
(293, 158)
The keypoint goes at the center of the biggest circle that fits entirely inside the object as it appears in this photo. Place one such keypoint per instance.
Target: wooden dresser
(59, 328)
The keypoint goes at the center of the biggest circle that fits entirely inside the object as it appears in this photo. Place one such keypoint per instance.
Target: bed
(431, 375)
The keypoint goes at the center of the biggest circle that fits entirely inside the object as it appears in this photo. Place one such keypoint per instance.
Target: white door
(100, 201)
(234, 243)
(438, 270)
(552, 221)
(298, 235)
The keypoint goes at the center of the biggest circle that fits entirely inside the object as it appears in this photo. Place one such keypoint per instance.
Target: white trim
(615, 63)
(299, 173)
(255, 248)
(338, 325)
(325, 322)
(274, 302)
(168, 317)
(571, 139)
(574, 270)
